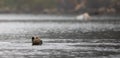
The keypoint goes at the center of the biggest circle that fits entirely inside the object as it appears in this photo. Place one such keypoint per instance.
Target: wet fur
(36, 41)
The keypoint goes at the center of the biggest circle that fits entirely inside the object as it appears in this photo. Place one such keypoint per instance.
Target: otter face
(36, 41)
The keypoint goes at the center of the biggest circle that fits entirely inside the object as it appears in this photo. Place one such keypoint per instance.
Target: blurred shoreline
(74, 7)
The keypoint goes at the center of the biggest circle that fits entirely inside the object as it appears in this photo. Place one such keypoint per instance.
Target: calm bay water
(65, 38)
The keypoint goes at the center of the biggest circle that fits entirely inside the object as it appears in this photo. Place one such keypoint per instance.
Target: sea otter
(36, 41)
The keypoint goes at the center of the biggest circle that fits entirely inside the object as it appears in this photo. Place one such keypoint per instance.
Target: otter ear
(33, 38)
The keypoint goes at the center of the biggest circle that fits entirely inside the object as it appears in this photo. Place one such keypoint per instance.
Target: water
(65, 38)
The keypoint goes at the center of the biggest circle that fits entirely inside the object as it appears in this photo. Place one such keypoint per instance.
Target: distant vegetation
(56, 6)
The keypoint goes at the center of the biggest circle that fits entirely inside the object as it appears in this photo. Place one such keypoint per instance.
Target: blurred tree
(39, 5)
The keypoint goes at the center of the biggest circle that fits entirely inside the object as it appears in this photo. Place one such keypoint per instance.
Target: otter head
(36, 41)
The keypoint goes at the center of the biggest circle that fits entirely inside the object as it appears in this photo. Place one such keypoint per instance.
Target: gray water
(65, 38)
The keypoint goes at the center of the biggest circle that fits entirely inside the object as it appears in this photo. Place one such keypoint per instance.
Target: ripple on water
(62, 49)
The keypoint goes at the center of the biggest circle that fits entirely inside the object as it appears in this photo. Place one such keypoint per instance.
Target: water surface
(61, 39)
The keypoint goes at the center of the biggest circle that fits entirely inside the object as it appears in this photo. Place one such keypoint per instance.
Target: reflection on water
(31, 17)
(61, 39)
(60, 30)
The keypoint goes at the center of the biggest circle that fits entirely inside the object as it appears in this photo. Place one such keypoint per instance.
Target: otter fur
(36, 41)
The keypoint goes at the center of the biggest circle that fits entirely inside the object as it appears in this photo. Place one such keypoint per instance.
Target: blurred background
(95, 7)
(56, 23)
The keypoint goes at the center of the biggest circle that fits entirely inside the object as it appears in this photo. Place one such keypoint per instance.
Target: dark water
(65, 38)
